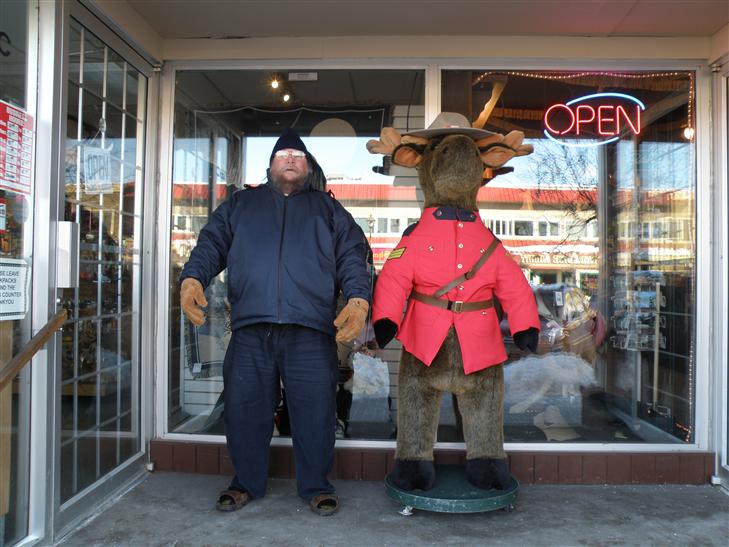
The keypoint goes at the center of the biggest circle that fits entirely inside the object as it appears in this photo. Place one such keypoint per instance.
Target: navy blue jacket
(287, 256)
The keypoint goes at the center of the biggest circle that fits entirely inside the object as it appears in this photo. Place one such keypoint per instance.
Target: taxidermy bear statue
(452, 341)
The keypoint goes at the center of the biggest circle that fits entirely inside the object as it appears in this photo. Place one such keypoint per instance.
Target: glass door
(100, 343)
(18, 61)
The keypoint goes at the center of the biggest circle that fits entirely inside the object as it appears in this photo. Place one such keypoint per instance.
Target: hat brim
(473, 132)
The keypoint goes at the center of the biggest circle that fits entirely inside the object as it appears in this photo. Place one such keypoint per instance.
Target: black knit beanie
(288, 139)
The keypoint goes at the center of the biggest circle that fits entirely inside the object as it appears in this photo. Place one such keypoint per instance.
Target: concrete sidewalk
(178, 509)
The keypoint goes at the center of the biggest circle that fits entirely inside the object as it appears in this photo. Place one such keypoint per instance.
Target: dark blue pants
(305, 360)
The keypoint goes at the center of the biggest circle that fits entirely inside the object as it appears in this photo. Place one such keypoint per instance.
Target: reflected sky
(343, 159)
(663, 165)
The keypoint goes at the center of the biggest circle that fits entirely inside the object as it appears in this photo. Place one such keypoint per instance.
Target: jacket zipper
(280, 254)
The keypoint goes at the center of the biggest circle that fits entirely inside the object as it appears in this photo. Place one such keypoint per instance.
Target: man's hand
(192, 298)
(351, 319)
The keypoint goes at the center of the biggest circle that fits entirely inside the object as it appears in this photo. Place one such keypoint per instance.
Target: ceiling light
(274, 83)
(286, 97)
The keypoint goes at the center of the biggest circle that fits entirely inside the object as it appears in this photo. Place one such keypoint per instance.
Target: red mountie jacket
(443, 245)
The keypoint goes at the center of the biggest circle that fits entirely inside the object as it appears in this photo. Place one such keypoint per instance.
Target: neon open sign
(600, 117)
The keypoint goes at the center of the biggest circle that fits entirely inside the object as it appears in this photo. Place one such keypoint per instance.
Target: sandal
(232, 500)
(324, 504)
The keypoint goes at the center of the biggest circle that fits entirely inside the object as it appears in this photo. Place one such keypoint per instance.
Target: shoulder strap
(470, 273)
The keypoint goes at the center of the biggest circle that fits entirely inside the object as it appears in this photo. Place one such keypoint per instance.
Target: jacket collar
(453, 213)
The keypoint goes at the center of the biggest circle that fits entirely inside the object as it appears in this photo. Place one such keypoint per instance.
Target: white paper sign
(13, 288)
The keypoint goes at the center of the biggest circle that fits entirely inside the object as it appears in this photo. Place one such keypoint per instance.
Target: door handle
(68, 255)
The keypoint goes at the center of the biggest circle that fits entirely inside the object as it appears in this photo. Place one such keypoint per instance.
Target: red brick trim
(528, 467)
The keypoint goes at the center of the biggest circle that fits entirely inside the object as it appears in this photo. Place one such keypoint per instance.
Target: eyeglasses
(296, 154)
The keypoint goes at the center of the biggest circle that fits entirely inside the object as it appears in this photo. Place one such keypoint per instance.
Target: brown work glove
(351, 319)
(192, 298)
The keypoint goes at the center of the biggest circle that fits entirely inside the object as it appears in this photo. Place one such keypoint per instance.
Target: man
(289, 249)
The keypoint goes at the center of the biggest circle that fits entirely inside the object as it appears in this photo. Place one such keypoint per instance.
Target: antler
(498, 149)
(389, 140)
(496, 90)
(514, 139)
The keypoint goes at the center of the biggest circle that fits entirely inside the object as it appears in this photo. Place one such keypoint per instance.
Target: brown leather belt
(456, 306)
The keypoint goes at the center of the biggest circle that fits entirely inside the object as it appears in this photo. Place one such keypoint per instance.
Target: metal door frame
(720, 312)
(48, 519)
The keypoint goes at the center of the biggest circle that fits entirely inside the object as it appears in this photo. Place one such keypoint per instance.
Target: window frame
(433, 68)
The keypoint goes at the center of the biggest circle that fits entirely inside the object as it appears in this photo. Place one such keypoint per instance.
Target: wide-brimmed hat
(449, 123)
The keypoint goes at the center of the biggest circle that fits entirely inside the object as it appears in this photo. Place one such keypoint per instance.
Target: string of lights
(689, 130)
(572, 75)
(279, 111)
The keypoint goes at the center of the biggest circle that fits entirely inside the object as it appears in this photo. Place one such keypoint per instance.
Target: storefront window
(17, 141)
(225, 125)
(601, 218)
(603, 215)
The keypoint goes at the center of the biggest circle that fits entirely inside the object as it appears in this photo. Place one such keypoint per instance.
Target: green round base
(452, 493)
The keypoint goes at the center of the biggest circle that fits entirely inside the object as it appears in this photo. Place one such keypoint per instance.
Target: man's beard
(287, 187)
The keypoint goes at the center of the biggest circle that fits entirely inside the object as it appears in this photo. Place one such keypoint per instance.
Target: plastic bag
(371, 376)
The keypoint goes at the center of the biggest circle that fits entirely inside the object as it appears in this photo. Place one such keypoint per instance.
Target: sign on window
(16, 149)
(97, 170)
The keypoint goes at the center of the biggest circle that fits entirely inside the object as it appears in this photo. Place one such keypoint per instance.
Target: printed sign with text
(16, 149)
(14, 277)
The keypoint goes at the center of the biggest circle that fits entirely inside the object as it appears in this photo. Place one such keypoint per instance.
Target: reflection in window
(592, 229)
(523, 228)
(219, 147)
(363, 223)
(631, 271)
(646, 233)
(548, 229)
(16, 260)
(104, 171)
(14, 67)
(500, 227)
(603, 372)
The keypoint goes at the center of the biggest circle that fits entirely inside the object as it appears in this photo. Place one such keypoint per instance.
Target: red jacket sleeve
(394, 284)
(514, 293)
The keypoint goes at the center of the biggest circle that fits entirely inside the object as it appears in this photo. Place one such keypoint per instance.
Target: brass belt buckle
(458, 306)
